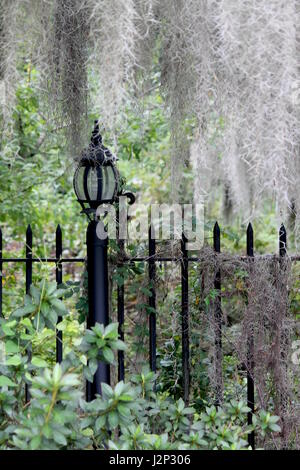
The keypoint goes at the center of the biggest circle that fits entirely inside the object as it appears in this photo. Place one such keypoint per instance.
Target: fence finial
(250, 239)
(28, 242)
(217, 238)
(282, 241)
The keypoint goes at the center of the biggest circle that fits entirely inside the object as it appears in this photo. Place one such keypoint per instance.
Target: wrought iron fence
(152, 258)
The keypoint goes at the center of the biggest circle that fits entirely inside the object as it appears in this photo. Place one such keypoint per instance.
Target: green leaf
(47, 432)
(59, 306)
(180, 405)
(100, 422)
(98, 329)
(119, 388)
(59, 438)
(100, 342)
(93, 365)
(274, 427)
(52, 317)
(35, 442)
(13, 361)
(59, 293)
(26, 310)
(125, 397)
(6, 382)
(6, 327)
(35, 293)
(108, 355)
(113, 419)
(124, 410)
(39, 362)
(11, 347)
(69, 380)
(51, 288)
(118, 345)
(107, 391)
(274, 419)
(57, 373)
(61, 326)
(111, 331)
(83, 359)
(27, 323)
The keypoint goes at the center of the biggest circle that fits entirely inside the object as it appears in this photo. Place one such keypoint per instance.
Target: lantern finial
(96, 136)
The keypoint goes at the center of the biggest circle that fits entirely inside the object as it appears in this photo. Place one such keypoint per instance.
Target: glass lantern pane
(92, 184)
(78, 183)
(109, 182)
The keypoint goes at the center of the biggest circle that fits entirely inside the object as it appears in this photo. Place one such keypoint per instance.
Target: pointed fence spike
(217, 238)
(58, 241)
(282, 229)
(282, 241)
(216, 227)
(29, 242)
(250, 248)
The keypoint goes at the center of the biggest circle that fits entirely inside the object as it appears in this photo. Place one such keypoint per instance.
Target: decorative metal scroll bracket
(130, 196)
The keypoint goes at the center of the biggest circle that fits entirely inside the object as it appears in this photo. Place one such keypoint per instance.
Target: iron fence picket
(121, 299)
(121, 308)
(59, 280)
(218, 321)
(28, 268)
(250, 350)
(282, 238)
(152, 301)
(185, 321)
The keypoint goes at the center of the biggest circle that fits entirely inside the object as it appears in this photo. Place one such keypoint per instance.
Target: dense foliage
(127, 416)
(36, 188)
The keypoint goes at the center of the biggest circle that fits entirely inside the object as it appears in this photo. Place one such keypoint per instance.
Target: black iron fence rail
(155, 258)
(42, 260)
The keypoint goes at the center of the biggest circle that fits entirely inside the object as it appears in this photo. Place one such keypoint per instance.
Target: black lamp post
(96, 181)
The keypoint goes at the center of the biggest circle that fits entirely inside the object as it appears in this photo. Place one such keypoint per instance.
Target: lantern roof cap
(96, 151)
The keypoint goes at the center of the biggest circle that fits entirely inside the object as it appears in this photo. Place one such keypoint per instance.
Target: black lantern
(96, 179)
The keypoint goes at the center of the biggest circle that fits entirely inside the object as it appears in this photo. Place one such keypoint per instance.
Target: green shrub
(127, 416)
